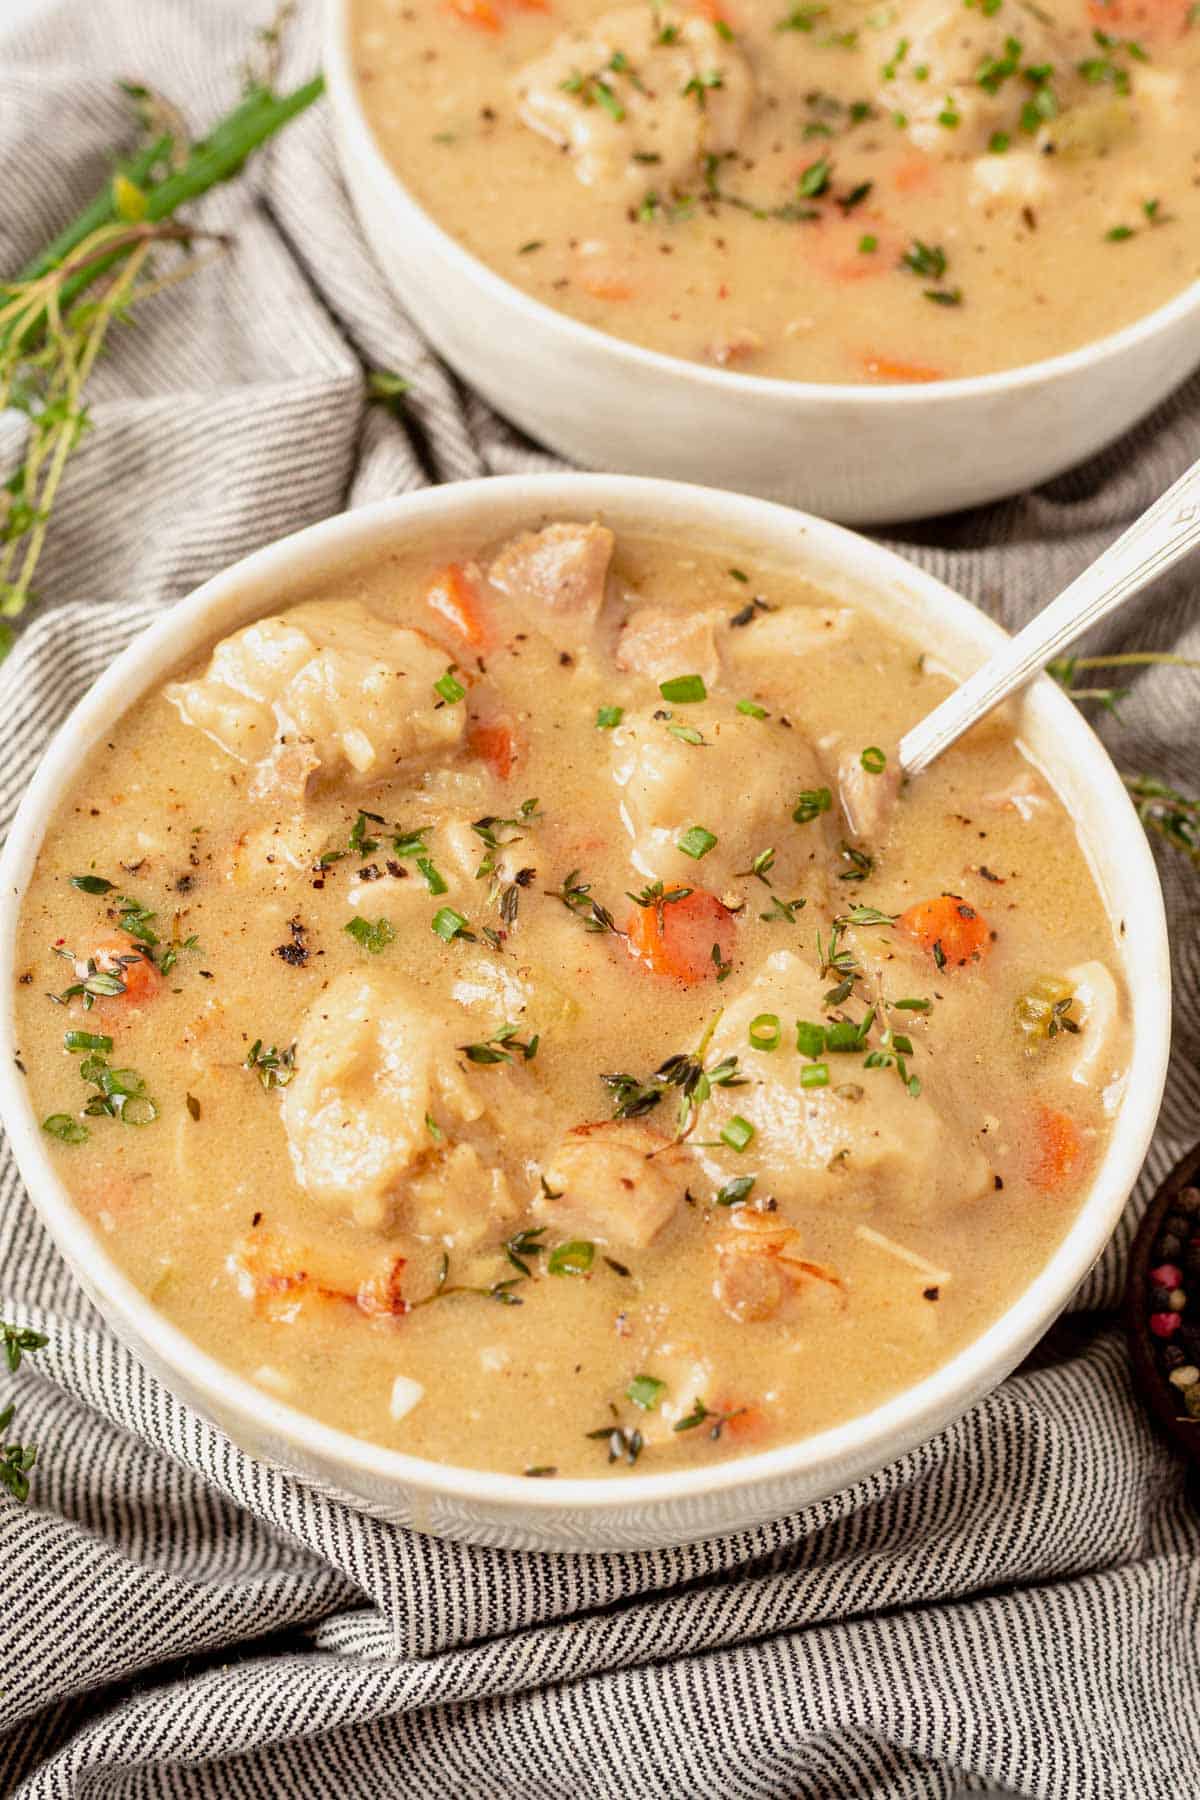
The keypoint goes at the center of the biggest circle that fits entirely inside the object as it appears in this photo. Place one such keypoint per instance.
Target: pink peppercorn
(1166, 1324)
(1166, 1275)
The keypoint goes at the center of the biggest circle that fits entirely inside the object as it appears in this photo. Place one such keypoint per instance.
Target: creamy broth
(840, 193)
(397, 980)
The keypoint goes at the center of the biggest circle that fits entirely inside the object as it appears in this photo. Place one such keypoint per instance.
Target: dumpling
(374, 1112)
(727, 786)
(860, 1144)
(948, 47)
(329, 687)
(641, 83)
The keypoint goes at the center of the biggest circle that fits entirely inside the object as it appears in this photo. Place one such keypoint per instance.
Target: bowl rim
(898, 1423)
(357, 139)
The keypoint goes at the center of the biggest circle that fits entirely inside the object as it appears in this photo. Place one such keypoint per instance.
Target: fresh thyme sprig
(1065, 669)
(1175, 817)
(16, 1459)
(685, 1071)
(577, 897)
(56, 312)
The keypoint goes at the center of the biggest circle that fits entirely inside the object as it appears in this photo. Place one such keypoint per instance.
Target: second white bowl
(860, 454)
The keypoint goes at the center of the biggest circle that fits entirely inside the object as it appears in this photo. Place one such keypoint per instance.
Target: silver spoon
(1151, 546)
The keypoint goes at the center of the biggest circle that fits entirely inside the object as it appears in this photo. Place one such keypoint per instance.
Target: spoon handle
(1152, 544)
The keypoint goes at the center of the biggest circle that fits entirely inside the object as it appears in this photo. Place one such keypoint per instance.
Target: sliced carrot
(108, 1199)
(949, 928)
(914, 173)
(714, 11)
(542, 6)
(126, 958)
(831, 246)
(606, 287)
(889, 368)
(677, 940)
(453, 597)
(1162, 18)
(479, 13)
(1058, 1150)
(494, 742)
(749, 1424)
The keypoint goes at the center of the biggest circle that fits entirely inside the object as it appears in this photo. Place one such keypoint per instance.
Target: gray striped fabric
(1014, 1605)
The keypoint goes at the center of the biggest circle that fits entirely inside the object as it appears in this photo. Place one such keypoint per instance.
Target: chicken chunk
(861, 1143)
(271, 854)
(948, 44)
(868, 796)
(776, 642)
(1016, 180)
(741, 784)
(329, 687)
(640, 83)
(558, 575)
(762, 1272)
(660, 642)
(614, 1182)
(374, 1063)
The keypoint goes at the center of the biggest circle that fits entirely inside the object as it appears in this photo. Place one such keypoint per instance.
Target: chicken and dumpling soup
(506, 1003)
(843, 192)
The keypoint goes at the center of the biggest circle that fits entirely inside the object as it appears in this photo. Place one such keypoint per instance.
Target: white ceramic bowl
(638, 1509)
(856, 453)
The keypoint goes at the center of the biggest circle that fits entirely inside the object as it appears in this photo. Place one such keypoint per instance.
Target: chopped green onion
(645, 1391)
(372, 936)
(738, 1133)
(843, 1036)
(608, 716)
(87, 1040)
(810, 1038)
(683, 690)
(815, 1075)
(912, 1005)
(66, 1129)
(434, 880)
(450, 690)
(447, 923)
(764, 1031)
(811, 804)
(736, 1190)
(92, 884)
(873, 760)
(750, 709)
(696, 842)
(574, 1258)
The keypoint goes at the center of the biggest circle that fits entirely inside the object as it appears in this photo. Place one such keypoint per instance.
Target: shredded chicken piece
(760, 1269)
(560, 573)
(868, 796)
(661, 642)
(614, 1182)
